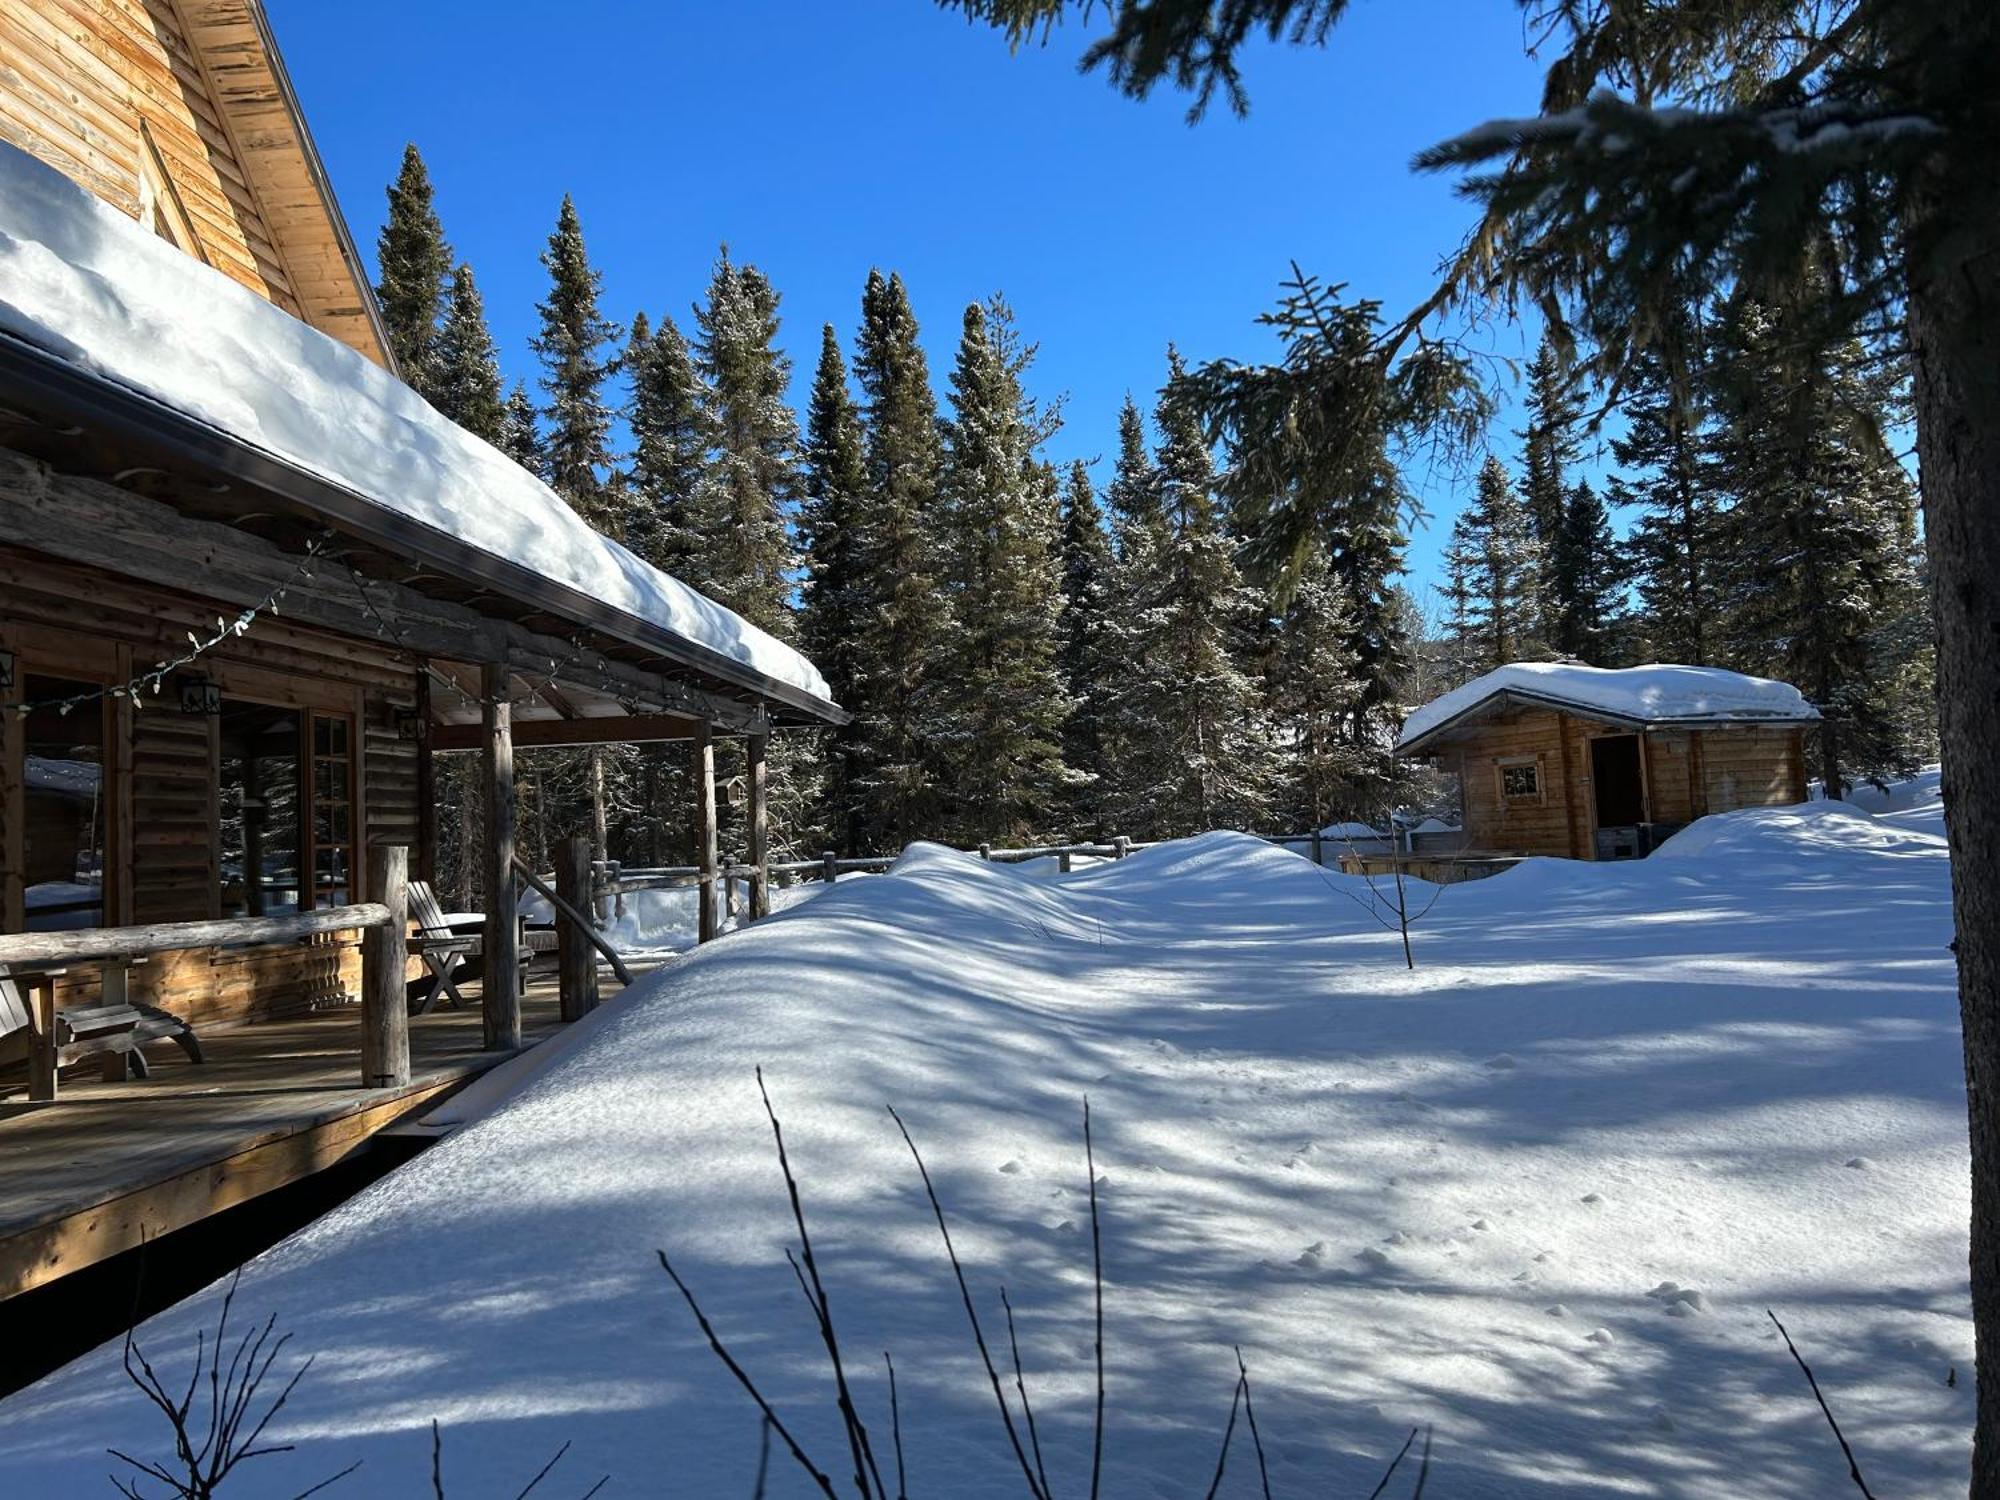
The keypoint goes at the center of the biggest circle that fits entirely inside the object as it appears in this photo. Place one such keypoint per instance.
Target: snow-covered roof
(83, 283)
(1351, 831)
(1656, 694)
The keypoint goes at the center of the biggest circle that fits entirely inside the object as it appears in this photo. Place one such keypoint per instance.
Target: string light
(226, 629)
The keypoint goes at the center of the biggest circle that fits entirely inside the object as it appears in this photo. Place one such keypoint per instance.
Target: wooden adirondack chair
(446, 947)
(51, 1039)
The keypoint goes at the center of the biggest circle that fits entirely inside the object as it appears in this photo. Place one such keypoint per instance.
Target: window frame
(1503, 764)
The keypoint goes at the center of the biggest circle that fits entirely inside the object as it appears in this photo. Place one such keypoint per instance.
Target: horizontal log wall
(62, 619)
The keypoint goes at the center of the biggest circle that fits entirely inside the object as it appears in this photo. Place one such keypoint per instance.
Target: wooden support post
(1062, 861)
(425, 862)
(757, 747)
(42, 1068)
(385, 1012)
(1120, 847)
(1319, 846)
(576, 959)
(500, 934)
(115, 988)
(706, 855)
(829, 867)
(986, 851)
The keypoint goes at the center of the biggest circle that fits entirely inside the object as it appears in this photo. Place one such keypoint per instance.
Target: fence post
(1120, 846)
(829, 867)
(385, 1013)
(985, 851)
(1062, 861)
(1319, 847)
(576, 960)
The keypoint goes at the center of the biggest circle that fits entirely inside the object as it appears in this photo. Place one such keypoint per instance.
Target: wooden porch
(110, 1163)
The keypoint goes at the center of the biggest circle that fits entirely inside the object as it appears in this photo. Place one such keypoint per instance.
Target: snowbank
(658, 924)
(1916, 803)
(1538, 1192)
(83, 282)
(1758, 834)
(1650, 694)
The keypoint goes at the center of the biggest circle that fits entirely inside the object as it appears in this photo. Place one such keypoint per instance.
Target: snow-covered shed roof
(90, 292)
(1642, 697)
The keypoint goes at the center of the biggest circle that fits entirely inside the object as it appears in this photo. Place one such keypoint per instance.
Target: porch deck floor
(87, 1176)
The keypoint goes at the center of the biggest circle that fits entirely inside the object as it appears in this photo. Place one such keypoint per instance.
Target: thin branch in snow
(971, 1313)
(743, 1379)
(1097, 1280)
(1250, 1416)
(857, 1432)
(1394, 1464)
(1228, 1432)
(1021, 1386)
(763, 1458)
(1423, 1469)
(896, 1426)
(1853, 1466)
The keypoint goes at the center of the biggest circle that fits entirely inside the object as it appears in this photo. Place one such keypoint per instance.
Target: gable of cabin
(179, 113)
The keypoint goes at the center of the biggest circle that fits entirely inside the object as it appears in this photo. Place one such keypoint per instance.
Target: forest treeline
(1030, 653)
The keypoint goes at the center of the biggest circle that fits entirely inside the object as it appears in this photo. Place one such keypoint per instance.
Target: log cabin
(1554, 758)
(250, 583)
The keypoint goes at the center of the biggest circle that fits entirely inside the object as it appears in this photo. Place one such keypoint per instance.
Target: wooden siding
(1687, 775)
(79, 622)
(117, 93)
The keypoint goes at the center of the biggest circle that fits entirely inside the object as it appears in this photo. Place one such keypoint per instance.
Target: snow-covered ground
(1916, 803)
(1538, 1192)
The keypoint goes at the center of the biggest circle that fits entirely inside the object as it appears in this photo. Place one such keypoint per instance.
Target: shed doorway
(1617, 782)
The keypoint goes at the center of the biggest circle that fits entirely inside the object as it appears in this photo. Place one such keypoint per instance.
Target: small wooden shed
(1593, 763)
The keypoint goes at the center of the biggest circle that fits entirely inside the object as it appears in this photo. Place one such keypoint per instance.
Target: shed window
(1521, 781)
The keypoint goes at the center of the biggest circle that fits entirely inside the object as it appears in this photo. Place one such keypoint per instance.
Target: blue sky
(822, 137)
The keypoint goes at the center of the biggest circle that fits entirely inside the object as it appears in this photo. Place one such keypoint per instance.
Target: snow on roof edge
(81, 282)
(1659, 693)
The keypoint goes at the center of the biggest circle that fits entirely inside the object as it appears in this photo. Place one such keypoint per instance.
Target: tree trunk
(1954, 321)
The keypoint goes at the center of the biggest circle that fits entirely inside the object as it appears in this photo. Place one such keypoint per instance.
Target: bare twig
(857, 1432)
(437, 1461)
(1250, 1416)
(543, 1473)
(1853, 1466)
(895, 1425)
(743, 1379)
(1097, 1278)
(1021, 1385)
(1394, 1464)
(1423, 1469)
(763, 1458)
(971, 1313)
(1228, 1432)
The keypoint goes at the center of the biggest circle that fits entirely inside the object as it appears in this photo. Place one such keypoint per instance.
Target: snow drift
(83, 282)
(1538, 1192)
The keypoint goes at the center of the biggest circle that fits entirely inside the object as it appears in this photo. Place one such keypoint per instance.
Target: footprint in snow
(1557, 1310)
(1503, 1062)
(1679, 1301)
(1603, 1337)
(1012, 1168)
(1377, 1258)
(1481, 1224)
(1313, 1257)
(1595, 1200)
(1860, 1163)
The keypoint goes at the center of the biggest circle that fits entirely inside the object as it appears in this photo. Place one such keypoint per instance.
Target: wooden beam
(1570, 780)
(99, 944)
(385, 957)
(500, 990)
(576, 963)
(100, 525)
(708, 853)
(760, 826)
(540, 734)
(427, 823)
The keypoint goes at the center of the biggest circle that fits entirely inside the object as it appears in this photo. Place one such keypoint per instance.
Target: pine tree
(577, 453)
(1003, 738)
(1087, 667)
(743, 556)
(834, 609)
(668, 418)
(1586, 582)
(1138, 524)
(1463, 655)
(1548, 444)
(1505, 580)
(468, 365)
(1313, 687)
(414, 261)
(521, 432)
(898, 691)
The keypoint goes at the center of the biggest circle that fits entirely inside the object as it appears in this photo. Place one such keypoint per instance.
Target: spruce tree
(1674, 546)
(743, 556)
(1193, 745)
(1548, 444)
(1003, 738)
(1313, 688)
(1505, 581)
(668, 418)
(414, 261)
(1138, 525)
(521, 432)
(1087, 667)
(1586, 582)
(468, 365)
(898, 683)
(1463, 653)
(576, 451)
(834, 608)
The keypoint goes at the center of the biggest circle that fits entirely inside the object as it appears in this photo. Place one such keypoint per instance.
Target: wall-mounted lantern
(408, 725)
(6, 671)
(200, 695)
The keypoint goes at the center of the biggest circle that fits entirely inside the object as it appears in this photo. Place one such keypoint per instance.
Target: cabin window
(64, 805)
(286, 781)
(1520, 780)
